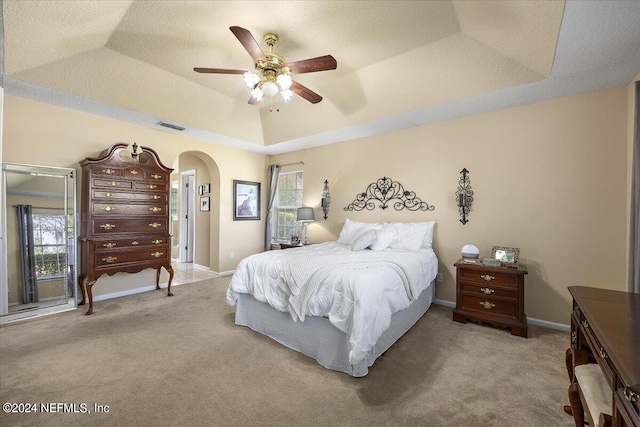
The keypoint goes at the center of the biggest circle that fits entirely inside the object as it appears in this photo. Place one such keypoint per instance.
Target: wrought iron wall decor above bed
(385, 190)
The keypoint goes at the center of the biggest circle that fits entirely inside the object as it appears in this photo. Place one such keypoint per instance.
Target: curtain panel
(27, 255)
(274, 173)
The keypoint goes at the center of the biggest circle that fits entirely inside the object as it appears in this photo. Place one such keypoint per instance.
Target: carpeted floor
(158, 361)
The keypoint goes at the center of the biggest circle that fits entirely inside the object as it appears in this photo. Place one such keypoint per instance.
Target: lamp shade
(306, 214)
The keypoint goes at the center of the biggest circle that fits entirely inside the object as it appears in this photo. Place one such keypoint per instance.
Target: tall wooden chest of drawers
(492, 295)
(124, 216)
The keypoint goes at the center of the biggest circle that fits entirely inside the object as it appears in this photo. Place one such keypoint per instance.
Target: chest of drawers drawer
(147, 225)
(131, 243)
(125, 256)
(488, 277)
(109, 195)
(114, 209)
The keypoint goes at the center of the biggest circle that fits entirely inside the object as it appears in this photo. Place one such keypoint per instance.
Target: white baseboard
(131, 292)
(225, 273)
(530, 320)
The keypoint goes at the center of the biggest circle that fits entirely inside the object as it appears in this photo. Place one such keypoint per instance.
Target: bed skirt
(316, 337)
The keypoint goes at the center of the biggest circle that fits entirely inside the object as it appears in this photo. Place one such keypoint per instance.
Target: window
(288, 200)
(50, 247)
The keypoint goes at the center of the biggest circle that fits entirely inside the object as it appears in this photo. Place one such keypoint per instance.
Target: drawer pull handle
(631, 395)
(108, 171)
(108, 194)
(134, 172)
(155, 209)
(135, 243)
(156, 197)
(487, 291)
(107, 226)
(585, 323)
(156, 176)
(487, 277)
(603, 353)
(108, 209)
(110, 245)
(152, 186)
(157, 254)
(109, 259)
(157, 241)
(113, 183)
(574, 336)
(487, 305)
(155, 224)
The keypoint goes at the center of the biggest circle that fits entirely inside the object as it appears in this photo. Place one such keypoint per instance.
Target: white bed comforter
(357, 291)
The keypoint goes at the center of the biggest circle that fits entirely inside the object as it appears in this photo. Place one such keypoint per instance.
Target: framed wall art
(246, 196)
(204, 204)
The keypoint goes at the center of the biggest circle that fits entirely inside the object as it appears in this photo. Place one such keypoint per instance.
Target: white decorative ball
(470, 251)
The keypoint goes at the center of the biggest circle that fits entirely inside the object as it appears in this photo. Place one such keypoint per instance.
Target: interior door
(187, 212)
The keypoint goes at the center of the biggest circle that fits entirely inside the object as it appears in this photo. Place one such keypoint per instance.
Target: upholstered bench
(589, 393)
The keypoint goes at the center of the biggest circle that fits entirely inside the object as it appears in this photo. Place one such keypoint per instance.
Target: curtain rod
(41, 207)
(292, 163)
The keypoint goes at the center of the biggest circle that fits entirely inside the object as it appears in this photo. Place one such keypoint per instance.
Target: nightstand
(289, 246)
(493, 295)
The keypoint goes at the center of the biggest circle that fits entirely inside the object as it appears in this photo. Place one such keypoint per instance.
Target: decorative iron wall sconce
(325, 200)
(464, 196)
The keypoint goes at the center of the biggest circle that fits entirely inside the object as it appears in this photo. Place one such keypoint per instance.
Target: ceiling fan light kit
(272, 74)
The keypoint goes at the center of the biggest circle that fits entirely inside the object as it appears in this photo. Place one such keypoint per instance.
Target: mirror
(39, 249)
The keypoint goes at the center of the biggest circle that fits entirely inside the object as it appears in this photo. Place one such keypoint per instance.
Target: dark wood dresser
(493, 295)
(124, 216)
(607, 324)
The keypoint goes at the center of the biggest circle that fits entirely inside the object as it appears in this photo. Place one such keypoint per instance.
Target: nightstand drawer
(489, 290)
(488, 305)
(488, 277)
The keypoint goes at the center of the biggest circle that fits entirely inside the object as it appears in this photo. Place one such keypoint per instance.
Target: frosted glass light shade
(257, 94)
(284, 81)
(287, 94)
(269, 88)
(251, 79)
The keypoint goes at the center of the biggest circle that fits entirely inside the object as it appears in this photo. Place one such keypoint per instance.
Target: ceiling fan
(272, 73)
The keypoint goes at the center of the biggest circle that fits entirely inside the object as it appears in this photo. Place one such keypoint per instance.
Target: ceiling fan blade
(249, 43)
(218, 70)
(305, 93)
(321, 63)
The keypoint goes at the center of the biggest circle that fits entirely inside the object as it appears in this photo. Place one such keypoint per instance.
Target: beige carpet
(159, 361)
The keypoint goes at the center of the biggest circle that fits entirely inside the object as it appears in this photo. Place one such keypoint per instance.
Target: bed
(343, 302)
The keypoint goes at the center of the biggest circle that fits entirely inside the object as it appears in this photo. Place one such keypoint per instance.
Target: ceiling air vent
(171, 126)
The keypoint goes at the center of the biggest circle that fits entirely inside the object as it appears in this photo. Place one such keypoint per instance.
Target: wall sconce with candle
(325, 200)
(464, 196)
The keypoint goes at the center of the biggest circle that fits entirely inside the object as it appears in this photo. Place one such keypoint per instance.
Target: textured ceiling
(398, 61)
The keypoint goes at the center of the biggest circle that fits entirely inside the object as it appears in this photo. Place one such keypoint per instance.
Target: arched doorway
(195, 200)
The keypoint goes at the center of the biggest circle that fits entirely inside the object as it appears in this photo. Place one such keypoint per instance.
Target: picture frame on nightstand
(507, 256)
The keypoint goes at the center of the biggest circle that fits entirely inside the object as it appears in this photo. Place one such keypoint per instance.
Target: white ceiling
(400, 63)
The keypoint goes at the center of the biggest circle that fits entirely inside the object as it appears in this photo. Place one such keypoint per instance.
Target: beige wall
(41, 134)
(549, 178)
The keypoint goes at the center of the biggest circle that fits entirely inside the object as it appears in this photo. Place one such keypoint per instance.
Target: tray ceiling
(400, 63)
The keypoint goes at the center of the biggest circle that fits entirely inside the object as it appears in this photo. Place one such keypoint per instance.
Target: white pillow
(428, 238)
(383, 239)
(353, 229)
(364, 240)
(409, 236)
